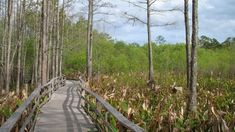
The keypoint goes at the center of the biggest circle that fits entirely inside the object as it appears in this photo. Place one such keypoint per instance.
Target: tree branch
(163, 25)
(152, 2)
(167, 10)
(133, 18)
(134, 4)
(103, 13)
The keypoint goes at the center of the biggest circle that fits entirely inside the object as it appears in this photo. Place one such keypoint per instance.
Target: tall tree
(37, 45)
(192, 100)
(57, 37)
(89, 39)
(2, 61)
(20, 39)
(150, 50)
(49, 54)
(54, 39)
(148, 8)
(94, 7)
(44, 34)
(9, 39)
(187, 35)
(62, 37)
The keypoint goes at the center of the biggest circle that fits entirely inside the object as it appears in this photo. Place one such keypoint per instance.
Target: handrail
(123, 121)
(22, 119)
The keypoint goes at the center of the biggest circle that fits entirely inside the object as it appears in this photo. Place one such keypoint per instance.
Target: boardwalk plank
(61, 113)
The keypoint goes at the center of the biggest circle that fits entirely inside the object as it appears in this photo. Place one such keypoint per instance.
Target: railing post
(99, 107)
(17, 127)
(106, 120)
(81, 100)
(52, 85)
(64, 80)
(83, 97)
(58, 82)
(50, 90)
(121, 127)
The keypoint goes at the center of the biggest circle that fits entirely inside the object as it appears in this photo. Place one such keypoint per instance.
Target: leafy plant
(6, 111)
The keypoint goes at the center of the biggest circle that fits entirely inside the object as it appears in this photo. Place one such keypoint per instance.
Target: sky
(216, 20)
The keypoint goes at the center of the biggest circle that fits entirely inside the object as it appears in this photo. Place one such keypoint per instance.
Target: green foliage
(160, 40)
(117, 56)
(229, 42)
(209, 43)
(124, 106)
(6, 111)
(19, 102)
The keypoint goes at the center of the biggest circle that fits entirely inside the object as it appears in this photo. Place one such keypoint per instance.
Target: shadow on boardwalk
(62, 114)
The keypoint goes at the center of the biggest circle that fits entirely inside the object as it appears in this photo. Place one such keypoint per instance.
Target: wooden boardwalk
(62, 113)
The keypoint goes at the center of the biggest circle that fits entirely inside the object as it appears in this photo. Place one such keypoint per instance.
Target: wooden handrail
(23, 116)
(119, 117)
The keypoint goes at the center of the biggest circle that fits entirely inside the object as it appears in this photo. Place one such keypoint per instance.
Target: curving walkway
(62, 114)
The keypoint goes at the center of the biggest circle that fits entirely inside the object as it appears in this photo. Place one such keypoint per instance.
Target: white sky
(216, 19)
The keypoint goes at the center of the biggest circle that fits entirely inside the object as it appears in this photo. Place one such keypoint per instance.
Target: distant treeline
(111, 56)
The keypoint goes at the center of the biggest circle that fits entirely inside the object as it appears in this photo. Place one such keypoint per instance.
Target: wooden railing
(24, 118)
(102, 113)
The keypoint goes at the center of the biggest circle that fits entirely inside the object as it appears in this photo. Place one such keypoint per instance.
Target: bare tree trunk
(192, 100)
(20, 39)
(1, 58)
(38, 48)
(37, 51)
(9, 36)
(62, 39)
(150, 52)
(36, 57)
(47, 38)
(24, 51)
(19, 47)
(40, 62)
(5, 41)
(187, 34)
(53, 54)
(57, 37)
(2, 50)
(44, 43)
(40, 53)
(53, 41)
(50, 26)
(89, 41)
